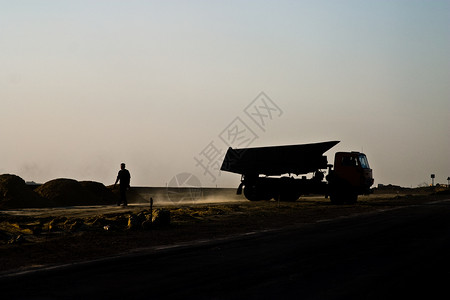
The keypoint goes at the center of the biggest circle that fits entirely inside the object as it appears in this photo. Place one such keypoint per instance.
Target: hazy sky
(167, 86)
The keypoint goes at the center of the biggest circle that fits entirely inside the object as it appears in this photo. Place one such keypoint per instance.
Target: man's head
(122, 166)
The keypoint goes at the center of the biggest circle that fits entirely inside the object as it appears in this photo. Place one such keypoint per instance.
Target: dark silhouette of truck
(273, 172)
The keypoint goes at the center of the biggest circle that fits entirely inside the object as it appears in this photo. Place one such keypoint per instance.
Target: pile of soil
(69, 192)
(14, 193)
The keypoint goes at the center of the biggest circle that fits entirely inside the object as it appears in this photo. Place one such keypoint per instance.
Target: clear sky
(167, 86)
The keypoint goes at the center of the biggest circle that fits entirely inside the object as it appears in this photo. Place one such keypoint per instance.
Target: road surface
(396, 254)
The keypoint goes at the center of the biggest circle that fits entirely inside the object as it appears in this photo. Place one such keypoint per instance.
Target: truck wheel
(250, 193)
(351, 198)
(344, 197)
(336, 198)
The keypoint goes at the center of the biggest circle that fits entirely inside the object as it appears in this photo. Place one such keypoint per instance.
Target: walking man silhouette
(124, 178)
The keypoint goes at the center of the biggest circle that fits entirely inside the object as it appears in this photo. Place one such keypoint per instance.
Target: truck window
(364, 162)
(349, 161)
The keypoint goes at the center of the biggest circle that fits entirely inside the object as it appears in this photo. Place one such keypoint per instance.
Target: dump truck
(287, 172)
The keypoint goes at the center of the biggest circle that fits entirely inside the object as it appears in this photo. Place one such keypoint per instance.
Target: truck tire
(255, 193)
(336, 198)
(351, 198)
(344, 197)
(250, 193)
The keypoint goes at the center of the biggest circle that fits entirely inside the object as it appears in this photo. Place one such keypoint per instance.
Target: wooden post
(151, 209)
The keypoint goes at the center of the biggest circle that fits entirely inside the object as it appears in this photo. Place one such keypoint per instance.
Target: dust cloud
(182, 196)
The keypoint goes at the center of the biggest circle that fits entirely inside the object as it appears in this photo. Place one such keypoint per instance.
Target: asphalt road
(396, 254)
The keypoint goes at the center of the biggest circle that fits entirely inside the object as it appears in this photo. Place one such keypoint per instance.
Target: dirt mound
(102, 195)
(14, 193)
(69, 192)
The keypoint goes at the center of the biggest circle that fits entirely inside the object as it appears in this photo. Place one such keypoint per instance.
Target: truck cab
(352, 176)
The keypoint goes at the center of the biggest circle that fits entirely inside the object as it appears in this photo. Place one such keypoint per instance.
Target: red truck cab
(352, 176)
